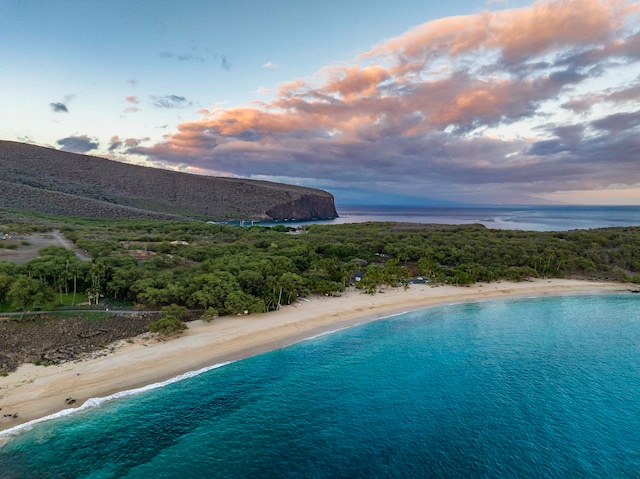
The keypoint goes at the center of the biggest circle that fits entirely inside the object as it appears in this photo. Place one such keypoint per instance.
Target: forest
(223, 269)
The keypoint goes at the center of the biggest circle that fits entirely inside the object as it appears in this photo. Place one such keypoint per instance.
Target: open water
(530, 218)
(534, 388)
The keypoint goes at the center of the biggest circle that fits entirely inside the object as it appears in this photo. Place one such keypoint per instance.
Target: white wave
(327, 333)
(96, 402)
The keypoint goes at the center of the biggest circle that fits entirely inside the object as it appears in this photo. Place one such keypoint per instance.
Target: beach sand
(35, 392)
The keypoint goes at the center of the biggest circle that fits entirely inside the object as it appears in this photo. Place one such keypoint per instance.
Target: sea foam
(92, 403)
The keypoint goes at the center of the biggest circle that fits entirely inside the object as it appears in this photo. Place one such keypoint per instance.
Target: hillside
(37, 179)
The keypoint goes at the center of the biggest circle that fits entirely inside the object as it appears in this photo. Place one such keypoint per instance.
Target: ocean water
(531, 218)
(533, 388)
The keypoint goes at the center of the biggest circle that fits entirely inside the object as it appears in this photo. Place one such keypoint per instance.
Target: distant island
(43, 180)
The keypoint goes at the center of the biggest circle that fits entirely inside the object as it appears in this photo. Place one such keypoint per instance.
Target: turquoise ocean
(530, 388)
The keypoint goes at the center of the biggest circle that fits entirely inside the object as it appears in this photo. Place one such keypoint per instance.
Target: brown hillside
(38, 179)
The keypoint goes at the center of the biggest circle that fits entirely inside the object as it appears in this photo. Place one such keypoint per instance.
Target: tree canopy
(233, 270)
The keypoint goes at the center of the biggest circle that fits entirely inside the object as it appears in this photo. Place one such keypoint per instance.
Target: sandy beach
(34, 392)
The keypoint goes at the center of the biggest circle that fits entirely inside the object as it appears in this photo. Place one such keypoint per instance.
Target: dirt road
(29, 245)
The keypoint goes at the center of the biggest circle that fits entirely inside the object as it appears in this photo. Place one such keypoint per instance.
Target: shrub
(167, 325)
(178, 311)
(209, 315)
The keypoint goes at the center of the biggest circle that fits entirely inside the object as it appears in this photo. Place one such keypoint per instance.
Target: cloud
(618, 122)
(169, 101)
(78, 144)
(123, 145)
(225, 63)
(59, 107)
(132, 99)
(115, 143)
(183, 57)
(133, 81)
(485, 107)
(269, 65)
(628, 93)
(198, 55)
(62, 107)
(516, 35)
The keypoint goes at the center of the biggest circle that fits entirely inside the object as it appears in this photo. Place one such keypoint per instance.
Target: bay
(546, 387)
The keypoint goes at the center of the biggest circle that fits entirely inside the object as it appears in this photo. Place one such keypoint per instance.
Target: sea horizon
(505, 217)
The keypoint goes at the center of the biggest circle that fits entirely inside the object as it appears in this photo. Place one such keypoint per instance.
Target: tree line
(235, 270)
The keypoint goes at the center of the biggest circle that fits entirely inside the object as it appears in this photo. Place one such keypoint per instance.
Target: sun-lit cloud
(115, 143)
(511, 104)
(269, 65)
(132, 99)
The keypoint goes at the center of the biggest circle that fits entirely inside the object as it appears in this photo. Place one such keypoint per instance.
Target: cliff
(38, 179)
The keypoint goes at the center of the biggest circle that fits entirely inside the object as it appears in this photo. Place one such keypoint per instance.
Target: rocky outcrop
(50, 339)
(304, 207)
(49, 181)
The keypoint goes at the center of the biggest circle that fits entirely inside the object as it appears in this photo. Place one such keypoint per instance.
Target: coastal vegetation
(164, 273)
(236, 270)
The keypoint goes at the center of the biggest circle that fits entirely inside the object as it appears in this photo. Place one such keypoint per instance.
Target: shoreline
(37, 392)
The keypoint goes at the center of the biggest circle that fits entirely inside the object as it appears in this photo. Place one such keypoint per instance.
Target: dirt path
(29, 245)
(65, 243)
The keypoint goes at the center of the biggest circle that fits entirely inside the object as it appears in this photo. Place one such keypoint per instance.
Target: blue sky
(412, 101)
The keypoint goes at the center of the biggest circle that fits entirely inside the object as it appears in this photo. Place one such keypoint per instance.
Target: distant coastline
(516, 217)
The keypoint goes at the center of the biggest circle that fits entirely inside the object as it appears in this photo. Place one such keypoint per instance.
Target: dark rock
(57, 340)
(305, 207)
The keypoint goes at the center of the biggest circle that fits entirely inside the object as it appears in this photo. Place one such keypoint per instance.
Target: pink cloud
(411, 110)
(517, 34)
(356, 80)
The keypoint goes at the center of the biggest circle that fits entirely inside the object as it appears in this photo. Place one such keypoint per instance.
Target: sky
(378, 102)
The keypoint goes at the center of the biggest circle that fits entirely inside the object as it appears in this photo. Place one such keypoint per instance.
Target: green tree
(238, 302)
(373, 277)
(5, 286)
(28, 292)
(212, 289)
(251, 281)
(286, 288)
